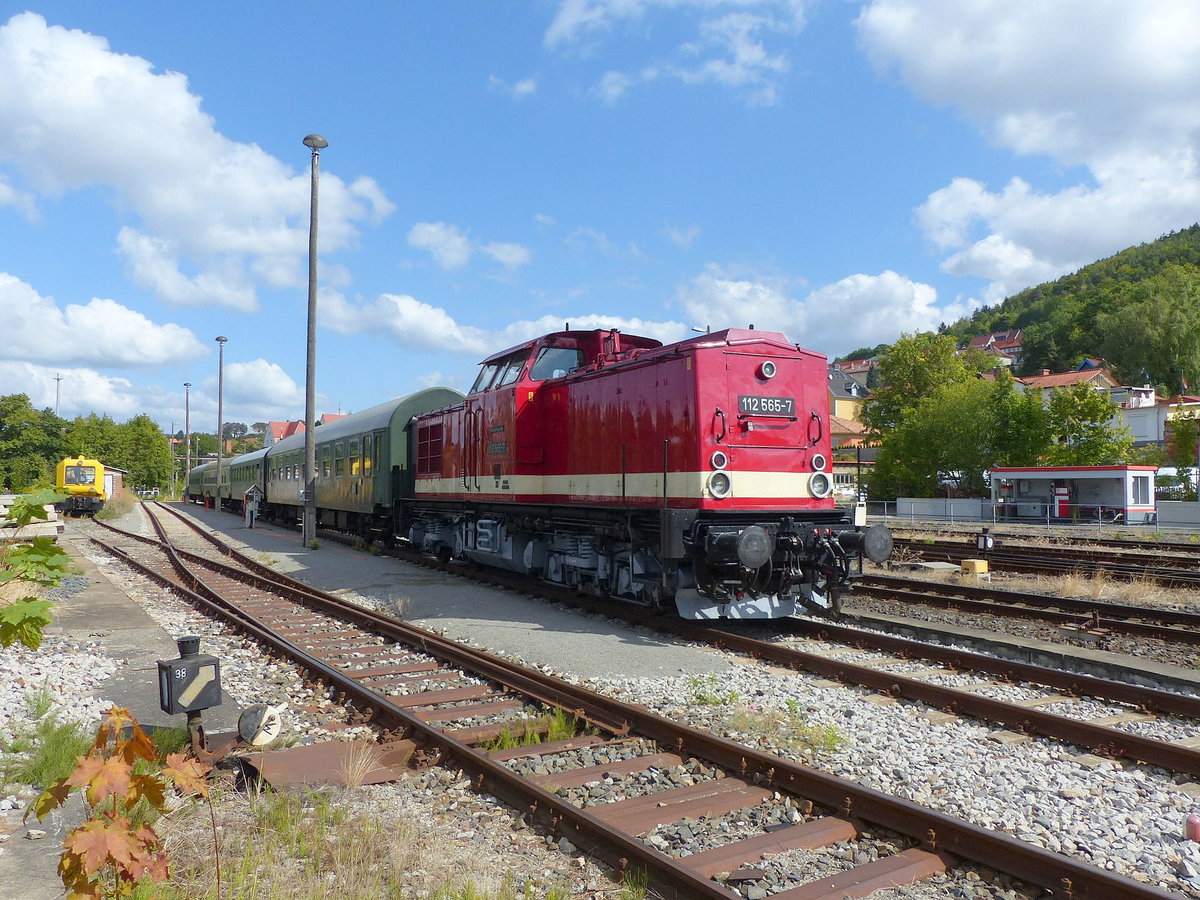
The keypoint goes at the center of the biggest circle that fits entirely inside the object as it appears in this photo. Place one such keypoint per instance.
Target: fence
(1171, 515)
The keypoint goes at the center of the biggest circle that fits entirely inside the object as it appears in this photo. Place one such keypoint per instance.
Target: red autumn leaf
(110, 778)
(100, 843)
(187, 773)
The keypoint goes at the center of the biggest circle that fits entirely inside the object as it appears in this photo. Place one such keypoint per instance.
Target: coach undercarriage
(748, 568)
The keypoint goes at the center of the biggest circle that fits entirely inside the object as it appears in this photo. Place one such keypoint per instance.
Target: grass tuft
(44, 751)
(704, 690)
(788, 728)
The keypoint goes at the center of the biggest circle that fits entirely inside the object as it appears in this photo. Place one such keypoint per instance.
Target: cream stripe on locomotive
(680, 485)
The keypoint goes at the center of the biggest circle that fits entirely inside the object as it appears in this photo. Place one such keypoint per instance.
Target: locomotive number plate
(766, 406)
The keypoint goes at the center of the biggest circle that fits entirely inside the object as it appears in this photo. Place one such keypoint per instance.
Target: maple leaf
(150, 787)
(50, 799)
(103, 777)
(101, 843)
(138, 745)
(187, 773)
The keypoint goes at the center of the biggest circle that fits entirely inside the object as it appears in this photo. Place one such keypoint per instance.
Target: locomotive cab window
(486, 374)
(555, 362)
(79, 475)
(511, 370)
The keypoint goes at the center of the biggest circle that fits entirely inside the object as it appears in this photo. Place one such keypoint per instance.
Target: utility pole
(57, 384)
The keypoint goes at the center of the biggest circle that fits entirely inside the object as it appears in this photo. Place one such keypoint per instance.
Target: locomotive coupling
(875, 543)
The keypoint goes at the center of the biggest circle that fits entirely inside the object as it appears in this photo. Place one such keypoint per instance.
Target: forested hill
(1139, 309)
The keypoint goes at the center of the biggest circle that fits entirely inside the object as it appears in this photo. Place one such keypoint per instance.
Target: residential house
(858, 370)
(1004, 345)
(846, 395)
(277, 431)
(1047, 383)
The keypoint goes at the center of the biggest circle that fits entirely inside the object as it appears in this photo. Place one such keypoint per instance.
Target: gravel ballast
(1125, 818)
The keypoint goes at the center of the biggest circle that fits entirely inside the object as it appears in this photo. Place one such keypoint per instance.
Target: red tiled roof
(1063, 379)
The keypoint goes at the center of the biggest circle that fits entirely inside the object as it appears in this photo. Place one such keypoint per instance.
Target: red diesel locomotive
(693, 475)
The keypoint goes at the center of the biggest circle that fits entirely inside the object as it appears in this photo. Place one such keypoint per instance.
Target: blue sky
(840, 171)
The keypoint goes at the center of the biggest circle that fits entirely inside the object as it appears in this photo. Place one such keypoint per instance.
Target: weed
(360, 760)
(268, 560)
(788, 728)
(46, 750)
(704, 691)
(556, 725)
(314, 545)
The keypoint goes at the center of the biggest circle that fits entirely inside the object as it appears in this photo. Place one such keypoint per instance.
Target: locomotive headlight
(818, 462)
(820, 485)
(755, 547)
(719, 485)
(767, 370)
(719, 459)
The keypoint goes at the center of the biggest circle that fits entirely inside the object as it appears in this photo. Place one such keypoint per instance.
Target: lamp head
(316, 142)
(221, 339)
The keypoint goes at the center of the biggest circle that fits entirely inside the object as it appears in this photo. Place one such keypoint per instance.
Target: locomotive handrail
(820, 429)
(724, 423)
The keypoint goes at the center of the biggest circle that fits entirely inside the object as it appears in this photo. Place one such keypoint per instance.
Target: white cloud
(683, 238)
(261, 384)
(451, 247)
(856, 311)
(517, 90)
(78, 115)
(100, 332)
(417, 325)
(1104, 84)
(729, 48)
(511, 256)
(448, 245)
(81, 391)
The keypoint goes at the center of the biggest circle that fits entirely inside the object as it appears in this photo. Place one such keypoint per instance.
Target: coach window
(339, 462)
(367, 455)
(555, 362)
(323, 466)
(355, 464)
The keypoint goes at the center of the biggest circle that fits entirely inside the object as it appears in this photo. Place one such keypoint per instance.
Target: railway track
(356, 652)
(1178, 626)
(1055, 560)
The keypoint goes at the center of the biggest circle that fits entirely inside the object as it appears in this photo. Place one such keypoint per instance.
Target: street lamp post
(220, 409)
(308, 528)
(187, 432)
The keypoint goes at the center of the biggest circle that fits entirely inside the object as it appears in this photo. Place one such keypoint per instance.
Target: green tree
(147, 453)
(956, 434)
(31, 443)
(96, 437)
(1081, 421)
(1157, 334)
(914, 367)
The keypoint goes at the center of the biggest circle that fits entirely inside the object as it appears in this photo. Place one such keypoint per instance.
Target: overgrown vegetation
(788, 729)
(555, 725)
(26, 568)
(45, 750)
(126, 786)
(705, 690)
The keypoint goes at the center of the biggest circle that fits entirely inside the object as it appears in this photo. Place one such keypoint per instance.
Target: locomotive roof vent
(719, 459)
(720, 484)
(818, 462)
(767, 370)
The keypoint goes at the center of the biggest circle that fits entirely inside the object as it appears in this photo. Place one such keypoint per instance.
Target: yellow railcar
(82, 480)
